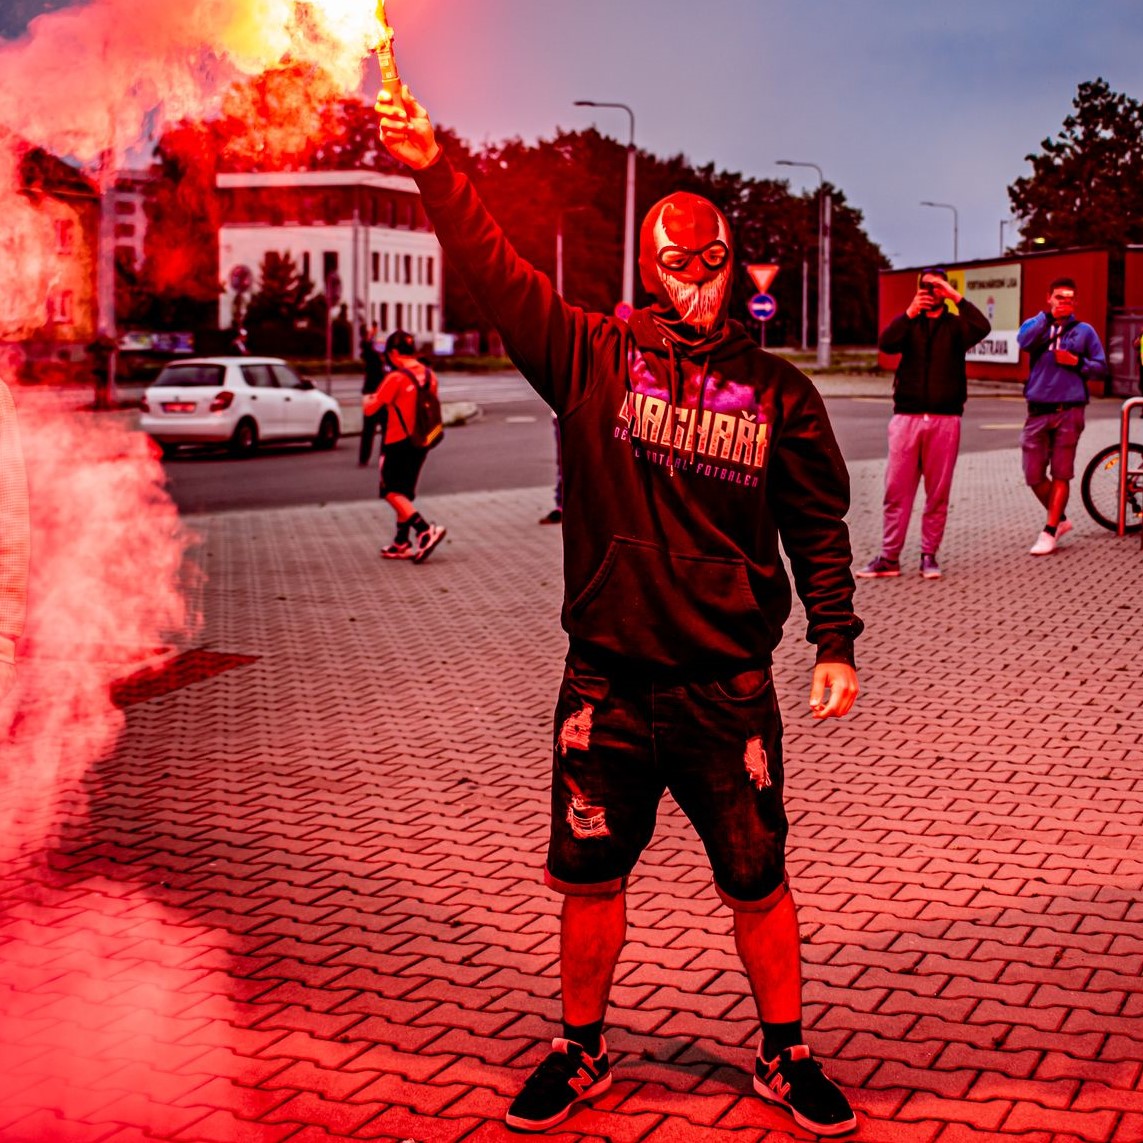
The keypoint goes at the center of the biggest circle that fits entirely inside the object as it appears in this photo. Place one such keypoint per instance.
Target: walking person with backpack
(410, 407)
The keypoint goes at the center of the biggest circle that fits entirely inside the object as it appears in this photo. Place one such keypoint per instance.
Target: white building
(367, 228)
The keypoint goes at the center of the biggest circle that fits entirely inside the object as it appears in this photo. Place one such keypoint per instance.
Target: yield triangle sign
(763, 273)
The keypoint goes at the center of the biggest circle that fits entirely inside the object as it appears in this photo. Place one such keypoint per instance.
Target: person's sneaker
(565, 1077)
(1062, 529)
(397, 551)
(1045, 545)
(930, 569)
(426, 541)
(793, 1079)
(879, 568)
(553, 517)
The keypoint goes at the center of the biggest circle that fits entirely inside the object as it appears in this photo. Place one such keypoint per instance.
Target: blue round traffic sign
(762, 307)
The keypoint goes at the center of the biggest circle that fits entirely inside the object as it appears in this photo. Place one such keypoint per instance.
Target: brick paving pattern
(301, 901)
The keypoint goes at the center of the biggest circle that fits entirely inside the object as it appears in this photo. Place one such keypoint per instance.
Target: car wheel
(328, 433)
(244, 442)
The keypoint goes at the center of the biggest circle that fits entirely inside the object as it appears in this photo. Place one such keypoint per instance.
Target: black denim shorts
(621, 742)
(401, 464)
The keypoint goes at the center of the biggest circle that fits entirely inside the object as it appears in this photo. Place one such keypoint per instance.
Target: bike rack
(1124, 440)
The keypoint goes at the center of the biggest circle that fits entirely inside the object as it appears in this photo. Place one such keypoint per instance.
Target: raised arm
(549, 341)
(975, 327)
(1035, 332)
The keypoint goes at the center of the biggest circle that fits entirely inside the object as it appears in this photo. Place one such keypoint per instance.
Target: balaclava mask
(685, 259)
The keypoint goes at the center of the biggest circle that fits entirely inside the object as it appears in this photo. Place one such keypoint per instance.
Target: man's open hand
(406, 129)
(840, 679)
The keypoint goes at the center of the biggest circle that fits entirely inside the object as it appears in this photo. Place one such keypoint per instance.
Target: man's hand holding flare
(406, 130)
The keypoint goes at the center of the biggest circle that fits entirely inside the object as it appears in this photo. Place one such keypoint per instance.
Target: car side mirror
(305, 383)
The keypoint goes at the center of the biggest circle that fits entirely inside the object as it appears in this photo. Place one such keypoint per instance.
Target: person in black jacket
(687, 453)
(375, 370)
(929, 392)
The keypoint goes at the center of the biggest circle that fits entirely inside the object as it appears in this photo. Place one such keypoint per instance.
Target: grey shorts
(1051, 439)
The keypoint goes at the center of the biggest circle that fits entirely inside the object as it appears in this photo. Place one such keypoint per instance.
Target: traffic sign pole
(762, 308)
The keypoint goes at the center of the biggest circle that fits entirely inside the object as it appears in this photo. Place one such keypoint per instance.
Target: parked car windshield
(189, 376)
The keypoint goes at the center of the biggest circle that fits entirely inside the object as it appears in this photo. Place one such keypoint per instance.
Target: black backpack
(427, 429)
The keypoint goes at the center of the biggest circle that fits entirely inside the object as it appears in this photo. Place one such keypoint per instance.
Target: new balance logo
(581, 1081)
(778, 1085)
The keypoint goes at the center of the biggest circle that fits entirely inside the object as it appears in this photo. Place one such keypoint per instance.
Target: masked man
(14, 530)
(687, 452)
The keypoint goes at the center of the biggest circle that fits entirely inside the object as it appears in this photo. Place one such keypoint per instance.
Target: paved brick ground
(301, 903)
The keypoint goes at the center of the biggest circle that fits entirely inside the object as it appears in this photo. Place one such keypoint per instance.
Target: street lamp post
(825, 211)
(560, 245)
(629, 211)
(1003, 223)
(956, 227)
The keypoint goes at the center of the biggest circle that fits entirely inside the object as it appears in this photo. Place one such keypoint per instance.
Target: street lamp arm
(621, 106)
(814, 166)
(628, 288)
(956, 223)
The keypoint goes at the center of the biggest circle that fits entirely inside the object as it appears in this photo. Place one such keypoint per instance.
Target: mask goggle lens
(675, 259)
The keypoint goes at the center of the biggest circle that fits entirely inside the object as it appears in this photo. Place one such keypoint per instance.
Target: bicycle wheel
(1100, 488)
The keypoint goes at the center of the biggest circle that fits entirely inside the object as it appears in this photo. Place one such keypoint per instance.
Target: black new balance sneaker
(793, 1079)
(568, 1075)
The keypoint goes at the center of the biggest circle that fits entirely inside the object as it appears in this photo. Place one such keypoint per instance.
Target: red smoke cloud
(105, 590)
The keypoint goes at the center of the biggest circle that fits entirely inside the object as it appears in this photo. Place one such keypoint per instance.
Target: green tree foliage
(180, 273)
(293, 118)
(283, 295)
(1086, 185)
(581, 178)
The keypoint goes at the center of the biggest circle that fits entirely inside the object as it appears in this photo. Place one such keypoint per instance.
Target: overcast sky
(896, 101)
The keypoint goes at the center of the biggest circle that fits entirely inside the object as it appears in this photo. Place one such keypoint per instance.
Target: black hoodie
(681, 468)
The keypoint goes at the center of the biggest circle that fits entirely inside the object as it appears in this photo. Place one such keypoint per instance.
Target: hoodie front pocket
(647, 603)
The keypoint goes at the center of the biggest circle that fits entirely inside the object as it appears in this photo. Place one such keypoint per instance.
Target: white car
(237, 401)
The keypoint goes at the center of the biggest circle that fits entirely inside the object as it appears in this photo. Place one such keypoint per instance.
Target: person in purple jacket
(688, 452)
(1065, 353)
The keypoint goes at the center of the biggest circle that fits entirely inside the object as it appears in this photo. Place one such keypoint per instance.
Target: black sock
(402, 536)
(588, 1036)
(1050, 529)
(418, 523)
(775, 1037)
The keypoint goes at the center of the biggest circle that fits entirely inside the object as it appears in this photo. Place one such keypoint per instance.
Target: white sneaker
(1063, 528)
(1045, 545)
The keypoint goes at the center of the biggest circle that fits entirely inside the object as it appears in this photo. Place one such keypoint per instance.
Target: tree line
(1085, 187)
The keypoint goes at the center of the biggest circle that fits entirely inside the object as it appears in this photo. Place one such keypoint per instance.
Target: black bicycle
(1100, 487)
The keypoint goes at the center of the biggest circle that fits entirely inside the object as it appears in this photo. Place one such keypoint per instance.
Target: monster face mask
(685, 259)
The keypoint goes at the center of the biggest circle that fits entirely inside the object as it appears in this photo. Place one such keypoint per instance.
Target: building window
(400, 323)
(122, 230)
(385, 317)
(409, 269)
(376, 266)
(61, 307)
(386, 267)
(420, 270)
(391, 213)
(430, 316)
(328, 264)
(125, 256)
(65, 235)
(406, 221)
(429, 264)
(123, 206)
(306, 265)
